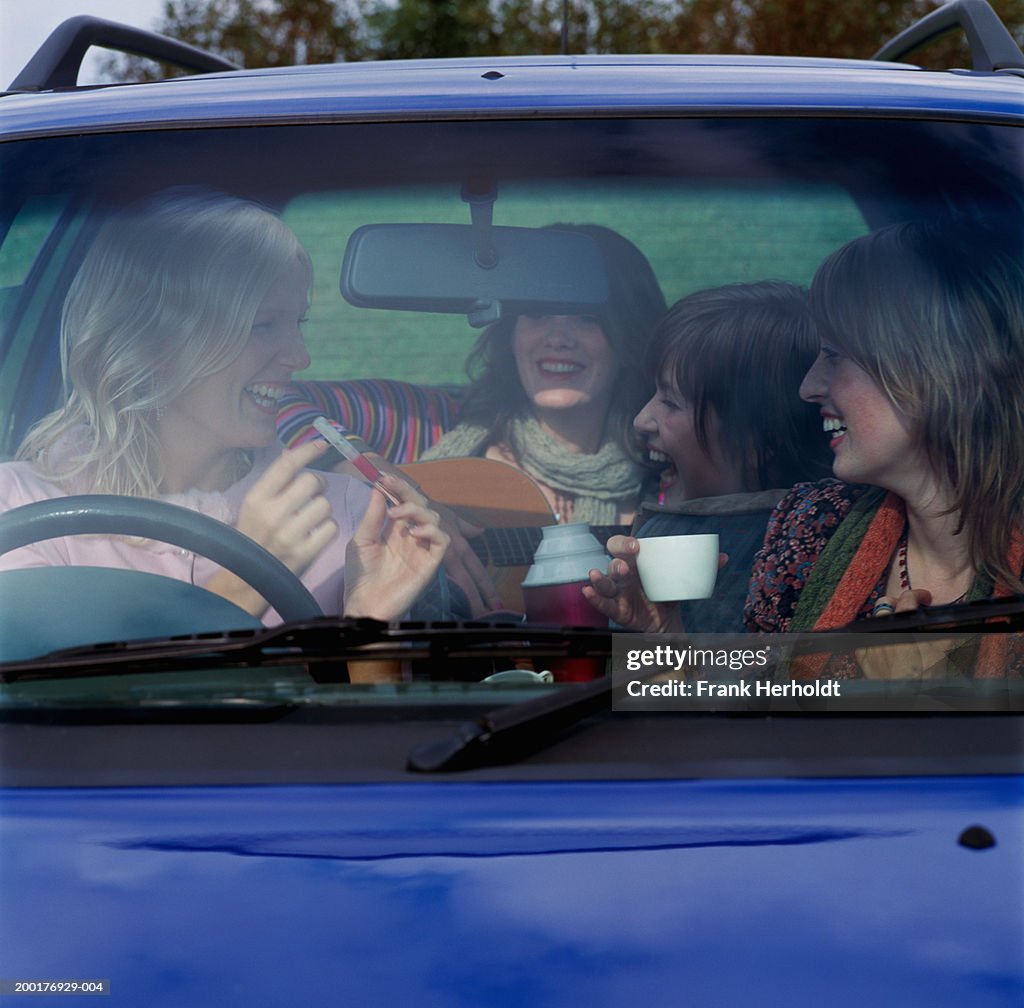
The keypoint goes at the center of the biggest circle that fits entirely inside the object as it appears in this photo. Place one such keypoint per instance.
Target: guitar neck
(514, 547)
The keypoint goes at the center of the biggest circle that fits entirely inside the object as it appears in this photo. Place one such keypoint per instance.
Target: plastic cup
(677, 568)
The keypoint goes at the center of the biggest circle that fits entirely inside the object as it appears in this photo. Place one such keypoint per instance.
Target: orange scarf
(839, 602)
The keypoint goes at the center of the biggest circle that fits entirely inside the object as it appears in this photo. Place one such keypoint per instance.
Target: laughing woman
(179, 332)
(727, 469)
(555, 395)
(919, 389)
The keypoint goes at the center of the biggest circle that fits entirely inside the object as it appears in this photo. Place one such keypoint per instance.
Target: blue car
(465, 805)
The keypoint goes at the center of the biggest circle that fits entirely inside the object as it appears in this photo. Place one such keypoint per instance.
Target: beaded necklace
(904, 573)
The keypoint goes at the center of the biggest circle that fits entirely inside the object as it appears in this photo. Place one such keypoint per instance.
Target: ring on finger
(883, 608)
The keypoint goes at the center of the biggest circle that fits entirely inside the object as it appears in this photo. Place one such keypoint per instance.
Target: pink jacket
(325, 578)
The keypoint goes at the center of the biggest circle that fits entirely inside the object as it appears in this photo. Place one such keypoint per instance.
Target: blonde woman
(179, 333)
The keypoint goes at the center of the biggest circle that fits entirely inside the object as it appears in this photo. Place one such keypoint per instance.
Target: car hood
(557, 893)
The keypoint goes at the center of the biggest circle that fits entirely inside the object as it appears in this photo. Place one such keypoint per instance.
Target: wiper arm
(509, 734)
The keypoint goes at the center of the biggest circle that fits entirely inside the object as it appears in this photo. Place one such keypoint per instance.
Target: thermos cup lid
(566, 554)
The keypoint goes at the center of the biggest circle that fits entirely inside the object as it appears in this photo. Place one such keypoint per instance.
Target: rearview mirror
(437, 268)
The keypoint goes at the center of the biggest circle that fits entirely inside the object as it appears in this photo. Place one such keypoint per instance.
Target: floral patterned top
(799, 529)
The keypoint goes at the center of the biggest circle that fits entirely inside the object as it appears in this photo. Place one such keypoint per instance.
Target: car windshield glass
(525, 331)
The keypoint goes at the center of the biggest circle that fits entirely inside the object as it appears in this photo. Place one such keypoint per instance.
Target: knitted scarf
(599, 483)
(853, 562)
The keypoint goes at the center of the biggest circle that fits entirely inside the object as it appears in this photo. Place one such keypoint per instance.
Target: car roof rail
(58, 60)
(992, 46)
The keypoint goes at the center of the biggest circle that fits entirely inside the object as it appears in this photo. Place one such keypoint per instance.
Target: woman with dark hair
(726, 467)
(918, 387)
(555, 395)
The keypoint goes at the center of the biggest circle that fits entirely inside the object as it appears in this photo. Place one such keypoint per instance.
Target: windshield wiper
(999, 615)
(322, 646)
(510, 734)
(279, 645)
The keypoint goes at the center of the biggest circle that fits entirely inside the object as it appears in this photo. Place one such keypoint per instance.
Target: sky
(25, 24)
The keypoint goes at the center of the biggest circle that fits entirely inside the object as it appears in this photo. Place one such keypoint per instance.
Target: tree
(257, 33)
(852, 28)
(413, 29)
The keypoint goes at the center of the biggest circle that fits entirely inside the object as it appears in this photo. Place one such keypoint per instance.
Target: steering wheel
(109, 514)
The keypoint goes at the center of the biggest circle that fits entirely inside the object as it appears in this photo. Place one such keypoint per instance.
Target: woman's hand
(620, 596)
(907, 602)
(461, 563)
(463, 566)
(393, 555)
(913, 660)
(286, 512)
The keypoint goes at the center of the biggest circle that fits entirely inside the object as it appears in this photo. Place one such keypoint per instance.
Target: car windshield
(481, 313)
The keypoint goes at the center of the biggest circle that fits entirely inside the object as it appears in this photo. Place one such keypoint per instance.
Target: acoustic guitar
(507, 504)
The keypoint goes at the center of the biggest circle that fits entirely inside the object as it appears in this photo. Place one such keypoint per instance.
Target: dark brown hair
(635, 304)
(738, 354)
(933, 311)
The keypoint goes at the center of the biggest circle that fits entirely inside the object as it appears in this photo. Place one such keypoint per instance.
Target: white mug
(679, 567)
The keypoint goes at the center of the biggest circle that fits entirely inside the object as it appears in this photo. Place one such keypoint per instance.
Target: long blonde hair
(165, 296)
